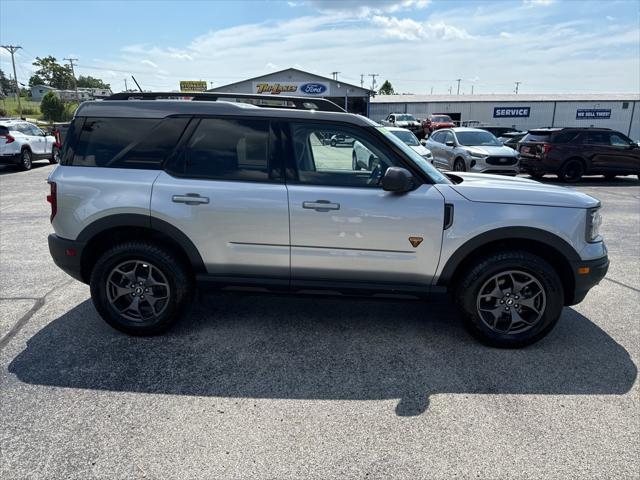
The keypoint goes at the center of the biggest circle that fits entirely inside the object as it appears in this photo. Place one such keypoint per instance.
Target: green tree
(35, 80)
(52, 73)
(90, 82)
(5, 84)
(52, 107)
(386, 88)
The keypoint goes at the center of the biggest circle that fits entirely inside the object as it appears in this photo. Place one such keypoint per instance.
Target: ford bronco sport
(155, 196)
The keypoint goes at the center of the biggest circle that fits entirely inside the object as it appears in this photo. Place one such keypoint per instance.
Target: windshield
(478, 139)
(405, 118)
(407, 137)
(442, 119)
(418, 160)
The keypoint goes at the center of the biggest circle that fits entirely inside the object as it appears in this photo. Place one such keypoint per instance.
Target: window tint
(619, 140)
(230, 150)
(570, 136)
(127, 142)
(437, 137)
(537, 137)
(597, 138)
(359, 163)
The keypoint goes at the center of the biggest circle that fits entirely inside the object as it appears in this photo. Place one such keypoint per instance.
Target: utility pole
(12, 49)
(373, 80)
(431, 91)
(335, 75)
(458, 80)
(362, 80)
(126, 89)
(471, 89)
(517, 85)
(450, 88)
(73, 74)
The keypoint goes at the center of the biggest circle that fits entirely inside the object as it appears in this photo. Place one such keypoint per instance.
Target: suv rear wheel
(510, 299)
(140, 288)
(571, 171)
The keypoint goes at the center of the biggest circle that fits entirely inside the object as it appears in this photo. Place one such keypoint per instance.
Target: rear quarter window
(139, 143)
(536, 137)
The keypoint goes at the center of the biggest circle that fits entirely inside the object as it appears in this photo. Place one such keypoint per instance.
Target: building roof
(521, 98)
(221, 88)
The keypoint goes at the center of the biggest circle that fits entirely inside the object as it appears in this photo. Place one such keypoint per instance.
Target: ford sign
(313, 88)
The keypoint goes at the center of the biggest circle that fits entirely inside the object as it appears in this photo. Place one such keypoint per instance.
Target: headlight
(594, 220)
(477, 155)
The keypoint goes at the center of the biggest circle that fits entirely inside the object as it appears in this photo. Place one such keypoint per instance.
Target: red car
(436, 122)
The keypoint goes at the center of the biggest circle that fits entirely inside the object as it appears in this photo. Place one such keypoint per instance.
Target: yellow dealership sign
(193, 86)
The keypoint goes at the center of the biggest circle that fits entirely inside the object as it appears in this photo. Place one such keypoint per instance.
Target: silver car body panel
(87, 194)
(366, 238)
(243, 229)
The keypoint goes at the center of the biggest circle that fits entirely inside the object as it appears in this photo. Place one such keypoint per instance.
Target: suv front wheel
(510, 299)
(140, 288)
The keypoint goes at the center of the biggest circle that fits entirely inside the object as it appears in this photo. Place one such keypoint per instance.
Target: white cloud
(539, 2)
(149, 63)
(398, 49)
(368, 7)
(408, 29)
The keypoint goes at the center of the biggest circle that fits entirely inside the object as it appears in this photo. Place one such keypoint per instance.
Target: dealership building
(294, 82)
(616, 111)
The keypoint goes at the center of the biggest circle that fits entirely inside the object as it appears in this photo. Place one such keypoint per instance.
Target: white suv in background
(21, 143)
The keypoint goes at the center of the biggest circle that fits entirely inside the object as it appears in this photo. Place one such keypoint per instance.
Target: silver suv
(472, 150)
(154, 197)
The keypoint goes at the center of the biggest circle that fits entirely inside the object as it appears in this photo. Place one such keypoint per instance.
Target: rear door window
(140, 143)
(597, 138)
(230, 149)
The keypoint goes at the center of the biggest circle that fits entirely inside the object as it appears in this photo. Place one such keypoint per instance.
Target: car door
(448, 152)
(36, 139)
(225, 190)
(345, 227)
(624, 155)
(434, 144)
(595, 148)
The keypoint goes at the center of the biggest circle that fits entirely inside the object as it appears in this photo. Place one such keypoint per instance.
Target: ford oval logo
(313, 88)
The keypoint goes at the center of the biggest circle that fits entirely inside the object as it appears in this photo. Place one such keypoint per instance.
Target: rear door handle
(321, 205)
(190, 199)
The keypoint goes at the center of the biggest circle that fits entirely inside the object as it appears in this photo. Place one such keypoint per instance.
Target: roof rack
(272, 101)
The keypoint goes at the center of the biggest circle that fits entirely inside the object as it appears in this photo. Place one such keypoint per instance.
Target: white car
(22, 143)
(362, 158)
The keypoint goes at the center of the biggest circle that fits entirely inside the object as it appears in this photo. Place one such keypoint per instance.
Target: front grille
(502, 161)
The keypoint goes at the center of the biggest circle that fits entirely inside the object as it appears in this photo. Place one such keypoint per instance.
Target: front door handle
(190, 199)
(321, 205)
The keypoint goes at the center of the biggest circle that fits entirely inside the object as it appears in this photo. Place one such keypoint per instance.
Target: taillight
(8, 138)
(52, 198)
(546, 148)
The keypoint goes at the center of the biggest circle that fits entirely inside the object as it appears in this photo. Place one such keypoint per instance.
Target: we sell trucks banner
(311, 89)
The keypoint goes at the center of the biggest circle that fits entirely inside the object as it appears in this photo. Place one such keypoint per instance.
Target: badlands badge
(415, 241)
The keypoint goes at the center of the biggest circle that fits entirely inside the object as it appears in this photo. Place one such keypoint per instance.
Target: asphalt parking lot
(299, 387)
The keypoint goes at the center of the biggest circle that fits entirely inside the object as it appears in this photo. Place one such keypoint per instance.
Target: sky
(420, 46)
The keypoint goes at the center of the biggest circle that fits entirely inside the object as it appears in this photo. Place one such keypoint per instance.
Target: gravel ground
(301, 387)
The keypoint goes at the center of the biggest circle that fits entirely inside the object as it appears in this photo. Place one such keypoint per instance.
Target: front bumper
(587, 274)
(67, 254)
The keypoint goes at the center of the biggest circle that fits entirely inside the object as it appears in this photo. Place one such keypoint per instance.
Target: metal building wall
(542, 114)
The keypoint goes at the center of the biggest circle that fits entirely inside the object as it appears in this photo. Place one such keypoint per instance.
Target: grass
(9, 108)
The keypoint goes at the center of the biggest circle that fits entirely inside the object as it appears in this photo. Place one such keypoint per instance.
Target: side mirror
(450, 143)
(398, 180)
(423, 142)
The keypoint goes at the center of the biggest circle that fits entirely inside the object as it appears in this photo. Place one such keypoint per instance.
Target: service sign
(312, 89)
(193, 86)
(593, 114)
(511, 112)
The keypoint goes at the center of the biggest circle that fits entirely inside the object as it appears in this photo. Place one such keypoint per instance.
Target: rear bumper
(584, 282)
(67, 255)
(11, 158)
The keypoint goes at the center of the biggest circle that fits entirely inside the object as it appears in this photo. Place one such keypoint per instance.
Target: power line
(373, 80)
(517, 85)
(13, 49)
(73, 74)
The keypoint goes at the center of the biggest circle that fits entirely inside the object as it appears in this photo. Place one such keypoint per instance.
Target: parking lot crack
(22, 321)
